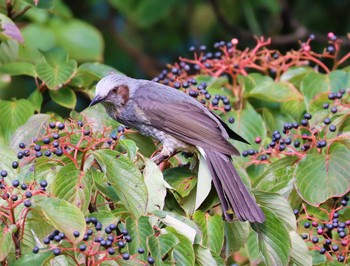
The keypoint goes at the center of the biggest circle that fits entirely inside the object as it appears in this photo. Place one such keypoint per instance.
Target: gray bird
(180, 123)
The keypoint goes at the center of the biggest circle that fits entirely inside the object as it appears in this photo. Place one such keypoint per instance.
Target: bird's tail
(232, 192)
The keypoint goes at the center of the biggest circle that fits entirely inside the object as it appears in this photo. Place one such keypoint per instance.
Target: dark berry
(282, 147)
(43, 183)
(29, 194)
(56, 136)
(304, 122)
(47, 153)
(111, 251)
(332, 128)
(55, 144)
(334, 110)
(231, 120)
(27, 203)
(86, 237)
(14, 165)
(58, 152)
(14, 197)
(245, 153)
(127, 238)
(52, 125)
(98, 226)
(112, 226)
(342, 234)
(304, 236)
(46, 241)
(140, 250)
(150, 260)
(335, 247)
(82, 247)
(328, 242)
(22, 145)
(60, 126)
(124, 232)
(46, 140)
(3, 173)
(38, 154)
(323, 251)
(57, 238)
(307, 116)
(287, 141)
(295, 125)
(296, 212)
(315, 240)
(341, 258)
(93, 220)
(321, 144)
(327, 121)
(227, 108)
(343, 202)
(56, 251)
(335, 215)
(126, 256)
(20, 155)
(35, 250)
(108, 230)
(24, 186)
(307, 225)
(121, 244)
(331, 96)
(89, 232)
(272, 144)
(297, 144)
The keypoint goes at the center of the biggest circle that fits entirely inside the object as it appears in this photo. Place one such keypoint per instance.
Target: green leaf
(293, 108)
(129, 146)
(145, 144)
(6, 242)
(64, 96)
(18, 68)
(32, 259)
(46, 4)
(203, 181)
(182, 225)
(244, 127)
(323, 176)
(275, 92)
(36, 98)
(300, 254)
(35, 126)
(62, 215)
(159, 246)
(7, 156)
(96, 70)
(8, 51)
(156, 186)
(314, 83)
(139, 230)
(236, 235)
(57, 69)
(181, 179)
(279, 205)
(13, 114)
(253, 251)
(98, 118)
(295, 75)
(183, 252)
(212, 229)
(82, 41)
(274, 241)
(74, 186)
(126, 179)
(9, 30)
(277, 175)
(204, 256)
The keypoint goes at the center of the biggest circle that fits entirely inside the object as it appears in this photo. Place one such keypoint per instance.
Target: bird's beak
(96, 100)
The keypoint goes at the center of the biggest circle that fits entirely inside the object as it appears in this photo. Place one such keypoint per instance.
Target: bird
(181, 123)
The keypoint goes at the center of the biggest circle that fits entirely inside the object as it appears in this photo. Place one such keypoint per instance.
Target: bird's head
(112, 90)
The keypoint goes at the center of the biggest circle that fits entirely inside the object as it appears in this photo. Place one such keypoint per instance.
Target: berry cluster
(329, 237)
(96, 246)
(71, 139)
(297, 138)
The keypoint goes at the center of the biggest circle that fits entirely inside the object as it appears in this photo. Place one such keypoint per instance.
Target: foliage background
(53, 52)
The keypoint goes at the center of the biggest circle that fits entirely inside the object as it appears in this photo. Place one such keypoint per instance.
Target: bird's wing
(182, 117)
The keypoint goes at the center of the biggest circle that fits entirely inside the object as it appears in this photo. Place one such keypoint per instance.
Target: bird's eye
(115, 90)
